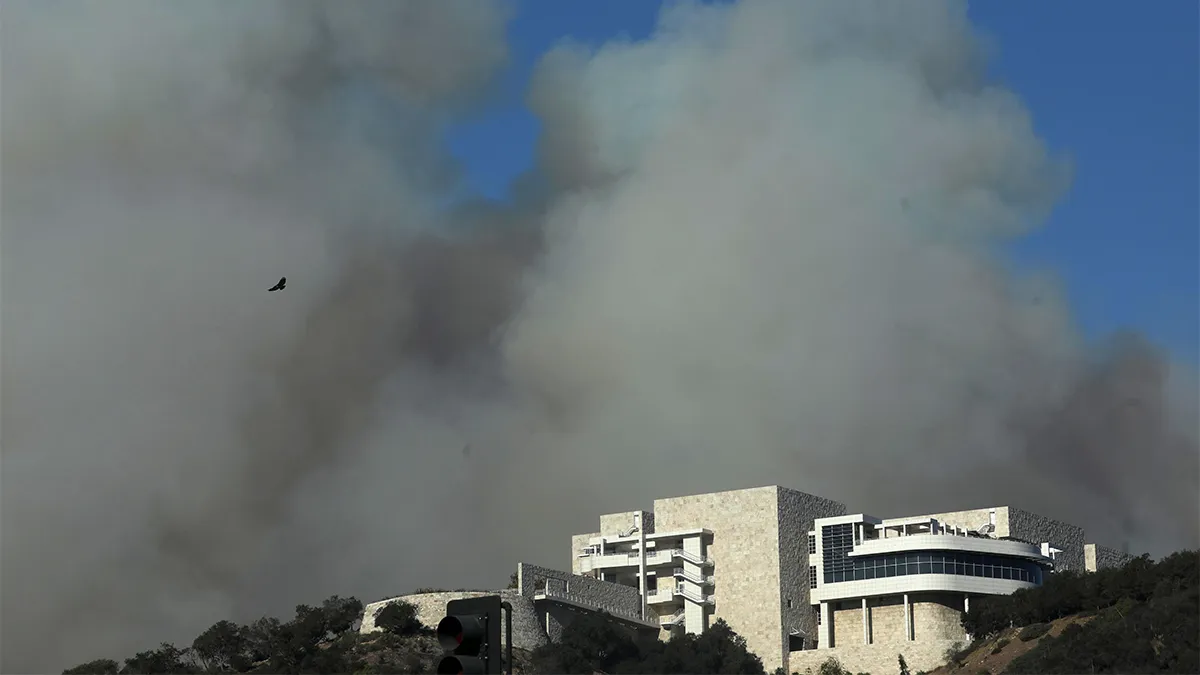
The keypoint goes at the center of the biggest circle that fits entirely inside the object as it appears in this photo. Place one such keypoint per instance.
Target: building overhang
(915, 583)
(950, 542)
(652, 537)
(847, 519)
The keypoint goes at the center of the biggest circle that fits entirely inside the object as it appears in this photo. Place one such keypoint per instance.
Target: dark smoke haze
(759, 247)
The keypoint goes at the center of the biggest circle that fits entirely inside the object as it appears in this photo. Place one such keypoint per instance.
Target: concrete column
(908, 631)
(826, 632)
(866, 613)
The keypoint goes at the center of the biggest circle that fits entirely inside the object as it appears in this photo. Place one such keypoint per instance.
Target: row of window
(836, 542)
(935, 562)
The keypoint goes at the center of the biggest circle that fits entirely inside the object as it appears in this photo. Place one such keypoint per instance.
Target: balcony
(629, 559)
(661, 596)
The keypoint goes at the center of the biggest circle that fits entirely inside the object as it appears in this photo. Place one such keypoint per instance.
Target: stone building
(802, 580)
(794, 574)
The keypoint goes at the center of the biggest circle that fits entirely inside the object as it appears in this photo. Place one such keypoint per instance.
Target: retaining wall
(431, 607)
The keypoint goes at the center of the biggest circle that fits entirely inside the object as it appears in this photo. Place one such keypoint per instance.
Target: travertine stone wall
(760, 552)
(797, 513)
(578, 543)
(1097, 557)
(612, 598)
(847, 624)
(431, 607)
(612, 524)
(877, 658)
(973, 519)
(745, 551)
(887, 619)
(1037, 529)
(937, 616)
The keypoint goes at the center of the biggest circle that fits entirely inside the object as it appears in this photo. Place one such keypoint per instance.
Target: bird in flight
(279, 286)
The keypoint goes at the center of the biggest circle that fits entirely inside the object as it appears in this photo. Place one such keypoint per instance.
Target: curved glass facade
(932, 562)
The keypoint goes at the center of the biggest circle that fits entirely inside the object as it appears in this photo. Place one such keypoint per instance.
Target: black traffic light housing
(470, 635)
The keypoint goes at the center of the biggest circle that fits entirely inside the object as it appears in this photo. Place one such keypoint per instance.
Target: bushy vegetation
(399, 618)
(1140, 618)
(592, 643)
(316, 640)
(1161, 635)
(1070, 593)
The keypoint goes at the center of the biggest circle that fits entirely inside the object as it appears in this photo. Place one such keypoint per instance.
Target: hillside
(1141, 618)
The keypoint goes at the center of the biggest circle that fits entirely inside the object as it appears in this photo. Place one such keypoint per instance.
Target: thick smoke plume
(762, 248)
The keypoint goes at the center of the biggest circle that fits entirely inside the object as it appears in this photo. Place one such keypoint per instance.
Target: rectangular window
(812, 544)
(812, 576)
(939, 567)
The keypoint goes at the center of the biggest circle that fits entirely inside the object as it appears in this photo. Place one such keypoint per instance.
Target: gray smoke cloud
(761, 247)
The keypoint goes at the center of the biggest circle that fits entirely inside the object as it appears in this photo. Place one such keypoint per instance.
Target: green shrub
(399, 618)
(1000, 645)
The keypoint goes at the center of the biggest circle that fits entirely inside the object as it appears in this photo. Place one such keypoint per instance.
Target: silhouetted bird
(279, 286)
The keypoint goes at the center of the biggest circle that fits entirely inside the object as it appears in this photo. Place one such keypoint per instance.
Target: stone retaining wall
(876, 658)
(431, 607)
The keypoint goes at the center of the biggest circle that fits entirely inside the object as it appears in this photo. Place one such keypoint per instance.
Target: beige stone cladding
(578, 543)
(876, 658)
(528, 632)
(1030, 527)
(1037, 529)
(749, 548)
(974, 519)
(887, 619)
(1097, 557)
(797, 514)
(937, 616)
(612, 524)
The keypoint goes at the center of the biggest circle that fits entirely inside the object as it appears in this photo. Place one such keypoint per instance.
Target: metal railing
(694, 597)
(701, 580)
(691, 557)
(552, 592)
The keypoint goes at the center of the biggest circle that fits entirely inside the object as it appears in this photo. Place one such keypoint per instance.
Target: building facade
(802, 580)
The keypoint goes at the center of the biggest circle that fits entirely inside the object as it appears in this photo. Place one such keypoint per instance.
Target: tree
(513, 582)
(399, 618)
(594, 643)
(222, 648)
(166, 660)
(591, 642)
(341, 614)
(903, 666)
(97, 667)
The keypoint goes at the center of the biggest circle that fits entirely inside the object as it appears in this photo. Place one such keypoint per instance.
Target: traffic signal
(470, 635)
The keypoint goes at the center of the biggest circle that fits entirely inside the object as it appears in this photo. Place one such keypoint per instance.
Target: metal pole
(641, 527)
(508, 633)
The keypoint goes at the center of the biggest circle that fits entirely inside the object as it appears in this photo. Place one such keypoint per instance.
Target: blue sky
(1116, 86)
